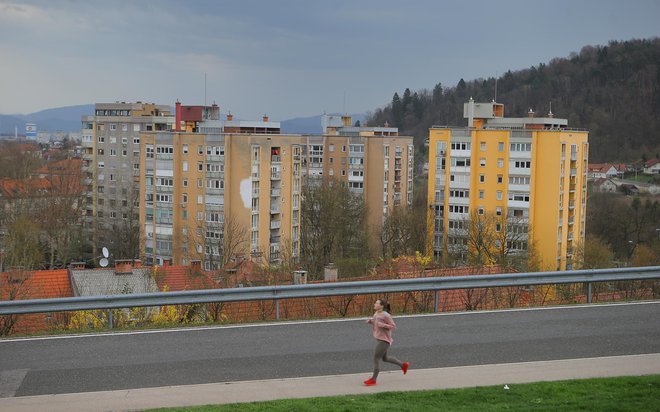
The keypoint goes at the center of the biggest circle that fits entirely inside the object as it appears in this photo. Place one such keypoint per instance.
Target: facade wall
(255, 181)
(111, 140)
(537, 176)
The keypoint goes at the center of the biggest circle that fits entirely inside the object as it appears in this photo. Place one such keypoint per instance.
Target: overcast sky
(285, 58)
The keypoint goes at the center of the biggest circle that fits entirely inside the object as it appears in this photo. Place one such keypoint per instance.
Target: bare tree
(333, 225)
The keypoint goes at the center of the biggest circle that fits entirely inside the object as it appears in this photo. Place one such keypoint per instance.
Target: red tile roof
(177, 278)
(42, 284)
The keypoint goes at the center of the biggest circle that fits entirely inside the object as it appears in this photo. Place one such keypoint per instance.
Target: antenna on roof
(104, 261)
(204, 88)
(344, 108)
(495, 99)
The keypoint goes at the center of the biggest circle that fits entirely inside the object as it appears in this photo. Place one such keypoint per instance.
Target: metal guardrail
(328, 289)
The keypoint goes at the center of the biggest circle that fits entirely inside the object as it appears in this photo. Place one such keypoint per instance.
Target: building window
(482, 162)
(482, 194)
(500, 146)
(482, 178)
(499, 195)
(185, 182)
(500, 162)
(498, 211)
(500, 179)
(482, 146)
(480, 210)
(185, 149)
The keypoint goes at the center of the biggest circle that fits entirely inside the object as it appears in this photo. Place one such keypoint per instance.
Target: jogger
(382, 325)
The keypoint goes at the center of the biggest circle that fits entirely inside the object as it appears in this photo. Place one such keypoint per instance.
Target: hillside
(65, 119)
(613, 91)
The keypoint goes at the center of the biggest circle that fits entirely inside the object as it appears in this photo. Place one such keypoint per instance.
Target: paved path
(261, 390)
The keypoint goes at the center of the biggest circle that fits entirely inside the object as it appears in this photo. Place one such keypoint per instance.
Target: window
(500, 179)
(113, 152)
(185, 149)
(332, 148)
(500, 146)
(482, 194)
(101, 165)
(482, 178)
(124, 140)
(200, 166)
(200, 150)
(113, 140)
(136, 127)
(523, 164)
(200, 199)
(480, 210)
(136, 140)
(500, 162)
(200, 183)
(499, 195)
(113, 127)
(482, 162)
(498, 211)
(482, 146)
(185, 182)
(101, 152)
(185, 166)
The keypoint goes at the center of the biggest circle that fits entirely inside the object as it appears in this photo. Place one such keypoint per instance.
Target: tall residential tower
(525, 177)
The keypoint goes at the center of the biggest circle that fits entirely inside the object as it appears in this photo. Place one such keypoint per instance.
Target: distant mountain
(66, 119)
(310, 125)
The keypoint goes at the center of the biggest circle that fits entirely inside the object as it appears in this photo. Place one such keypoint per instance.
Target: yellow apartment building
(530, 173)
(213, 179)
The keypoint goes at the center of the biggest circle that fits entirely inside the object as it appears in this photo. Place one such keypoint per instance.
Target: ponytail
(385, 304)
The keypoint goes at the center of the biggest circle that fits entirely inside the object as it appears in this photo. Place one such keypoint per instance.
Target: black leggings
(381, 353)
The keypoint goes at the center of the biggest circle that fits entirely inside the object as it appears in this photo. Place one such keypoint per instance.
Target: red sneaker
(370, 382)
(404, 368)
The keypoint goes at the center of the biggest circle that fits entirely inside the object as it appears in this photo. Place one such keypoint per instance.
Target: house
(652, 167)
(604, 185)
(128, 276)
(629, 189)
(178, 278)
(41, 284)
(605, 170)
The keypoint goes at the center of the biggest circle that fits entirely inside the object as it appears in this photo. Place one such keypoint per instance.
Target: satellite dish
(104, 262)
(106, 253)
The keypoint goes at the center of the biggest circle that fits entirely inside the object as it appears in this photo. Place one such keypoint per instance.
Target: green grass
(640, 393)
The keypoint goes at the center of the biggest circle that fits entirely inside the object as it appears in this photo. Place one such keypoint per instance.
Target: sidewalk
(416, 379)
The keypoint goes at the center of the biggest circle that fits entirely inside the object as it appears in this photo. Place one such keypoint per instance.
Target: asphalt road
(236, 353)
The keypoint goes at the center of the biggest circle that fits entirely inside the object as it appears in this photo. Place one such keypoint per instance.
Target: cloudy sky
(285, 58)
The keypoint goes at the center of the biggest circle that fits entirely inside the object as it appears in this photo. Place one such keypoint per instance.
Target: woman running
(382, 325)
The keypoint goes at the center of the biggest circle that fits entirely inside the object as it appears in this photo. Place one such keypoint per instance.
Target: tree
(403, 232)
(332, 225)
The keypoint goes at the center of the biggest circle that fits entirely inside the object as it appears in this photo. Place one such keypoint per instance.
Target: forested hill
(613, 91)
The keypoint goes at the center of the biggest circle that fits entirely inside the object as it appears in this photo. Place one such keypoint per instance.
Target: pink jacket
(382, 325)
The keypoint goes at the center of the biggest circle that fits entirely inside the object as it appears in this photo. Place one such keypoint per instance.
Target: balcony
(276, 192)
(275, 224)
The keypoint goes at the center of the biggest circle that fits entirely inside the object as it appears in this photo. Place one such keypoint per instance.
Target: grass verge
(637, 393)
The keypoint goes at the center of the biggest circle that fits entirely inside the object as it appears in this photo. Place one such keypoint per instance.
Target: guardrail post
(589, 292)
(436, 300)
(277, 309)
(110, 321)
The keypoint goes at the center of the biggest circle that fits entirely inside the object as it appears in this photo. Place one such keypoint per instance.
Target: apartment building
(214, 182)
(530, 173)
(111, 144)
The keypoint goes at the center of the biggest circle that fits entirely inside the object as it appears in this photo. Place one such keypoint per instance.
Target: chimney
(265, 118)
(230, 117)
(77, 265)
(299, 277)
(177, 125)
(530, 113)
(330, 272)
(123, 267)
(196, 265)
